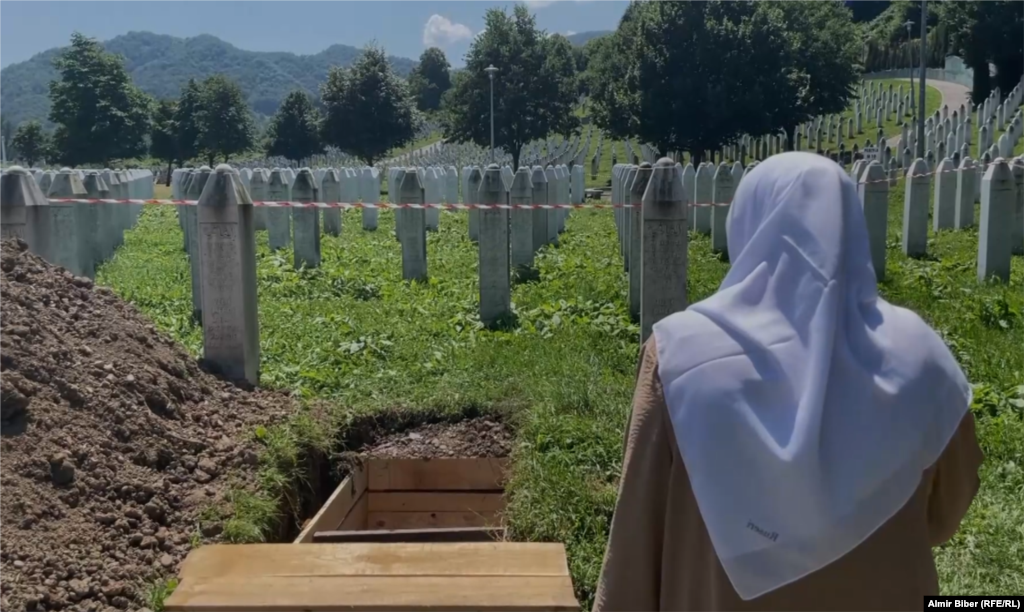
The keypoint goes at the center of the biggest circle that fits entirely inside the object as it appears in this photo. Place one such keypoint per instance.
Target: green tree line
(683, 76)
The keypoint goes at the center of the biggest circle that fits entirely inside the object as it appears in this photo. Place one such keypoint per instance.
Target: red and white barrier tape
(440, 206)
(354, 205)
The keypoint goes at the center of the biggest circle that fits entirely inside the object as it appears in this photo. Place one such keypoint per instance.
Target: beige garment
(660, 556)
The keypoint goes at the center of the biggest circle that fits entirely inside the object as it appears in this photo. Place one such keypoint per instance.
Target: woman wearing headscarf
(796, 442)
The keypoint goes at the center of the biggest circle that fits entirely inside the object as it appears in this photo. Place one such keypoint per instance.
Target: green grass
(1017, 150)
(416, 144)
(157, 592)
(983, 324)
(354, 334)
(890, 126)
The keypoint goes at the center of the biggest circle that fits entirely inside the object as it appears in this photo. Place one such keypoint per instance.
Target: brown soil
(479, 437)
(113, 443)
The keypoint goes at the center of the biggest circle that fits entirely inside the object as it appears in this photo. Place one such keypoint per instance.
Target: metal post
(910, 64)
(490, 73)
(924, 64)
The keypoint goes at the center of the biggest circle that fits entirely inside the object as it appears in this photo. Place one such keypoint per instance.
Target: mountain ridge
(582, 38)
(160, 64)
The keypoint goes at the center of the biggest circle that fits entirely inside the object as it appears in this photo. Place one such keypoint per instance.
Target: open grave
(439, 482)
(416, 523)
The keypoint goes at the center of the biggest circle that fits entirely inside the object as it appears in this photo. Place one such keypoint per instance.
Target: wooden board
(427, 520)
(436, 474)
(283, 560)
(356, 518)
(337, 506)
(435, 502)
(329, 593)
(444, 534)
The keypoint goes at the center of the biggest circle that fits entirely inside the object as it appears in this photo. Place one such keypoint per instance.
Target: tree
(866, 11)
(225, 123)
(534, 88)
(7, 132)
(369, 110)
(186, 121)
(163, 139)
(430, 79)
(613, 105)
(983, 32)
(735, 69)
(821, 60)
(100, 114)
(293, 132)
(31, 142)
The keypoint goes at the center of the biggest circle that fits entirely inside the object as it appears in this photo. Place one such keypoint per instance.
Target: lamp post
(490, 70)
(910, 63)
(924, 49)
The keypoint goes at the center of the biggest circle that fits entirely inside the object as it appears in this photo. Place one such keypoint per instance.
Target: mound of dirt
(113, 442)
(479, 437)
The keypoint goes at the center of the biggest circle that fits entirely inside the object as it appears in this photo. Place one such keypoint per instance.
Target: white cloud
(570, 32)
(440, 32)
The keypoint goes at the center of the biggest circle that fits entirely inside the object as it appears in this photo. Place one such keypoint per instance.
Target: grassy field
(891, 126)
(429, 139)
(354, 334)
(1017, 150)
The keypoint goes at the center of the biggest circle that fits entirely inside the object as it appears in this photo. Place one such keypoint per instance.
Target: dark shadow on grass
(507, 322)
(525, 274)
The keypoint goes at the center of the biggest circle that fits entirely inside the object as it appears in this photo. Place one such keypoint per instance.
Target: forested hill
(160, 64)
(582, 38)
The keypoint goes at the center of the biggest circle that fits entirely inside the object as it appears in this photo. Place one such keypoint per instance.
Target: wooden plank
(451, 534)
(436, 502)
(356, 518)
(429, 520)
(468, 559)
(329, 593)
(436, 474)
(337, 507)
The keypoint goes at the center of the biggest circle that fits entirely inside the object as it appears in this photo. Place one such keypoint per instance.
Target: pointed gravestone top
(304, 188)
(67, 184)
(640, 180)
(94, 185)
(521, 183)
(226, 188)
(18, 191)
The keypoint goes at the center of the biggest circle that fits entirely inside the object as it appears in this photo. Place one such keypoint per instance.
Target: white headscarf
(805, 406)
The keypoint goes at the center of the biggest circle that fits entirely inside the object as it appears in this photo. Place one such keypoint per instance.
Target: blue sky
(404, 28)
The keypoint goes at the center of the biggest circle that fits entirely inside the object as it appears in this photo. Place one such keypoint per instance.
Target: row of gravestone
(300, 227)
(544, 152)
(76, 235)
(331, 185)
(227, 276)
(998, 186)
(944, 136)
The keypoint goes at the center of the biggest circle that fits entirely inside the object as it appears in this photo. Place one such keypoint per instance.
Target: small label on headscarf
(771, 535)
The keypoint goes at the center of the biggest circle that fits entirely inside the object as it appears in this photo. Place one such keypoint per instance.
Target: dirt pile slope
(113, 443)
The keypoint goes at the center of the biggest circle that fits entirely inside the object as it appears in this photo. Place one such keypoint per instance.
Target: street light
(910, 63)
(920, 82)
(490, 70)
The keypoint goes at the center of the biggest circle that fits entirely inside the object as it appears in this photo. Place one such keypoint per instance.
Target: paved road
(953, 95)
